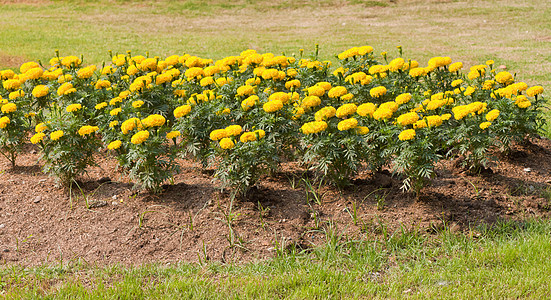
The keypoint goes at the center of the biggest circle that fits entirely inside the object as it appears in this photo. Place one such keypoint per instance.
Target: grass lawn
(505, 261)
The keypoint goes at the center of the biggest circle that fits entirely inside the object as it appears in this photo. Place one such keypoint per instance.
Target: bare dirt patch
(11, 61)
(41, 224)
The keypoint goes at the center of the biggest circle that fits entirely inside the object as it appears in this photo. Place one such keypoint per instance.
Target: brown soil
(41, 224)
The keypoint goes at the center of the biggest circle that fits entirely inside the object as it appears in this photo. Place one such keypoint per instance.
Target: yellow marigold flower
(65, 88)
(86, 72)
(337, 91)
(433, 121)
(226, 143)
(363, 50)
(378, 69)
(40, 127)
(40, 91)
(119, 59)
(490, 62)
(181, 111)
(519, 87)
(391, 105)
(137, 59)
(325, 85)
(460, 111)
(316, 90)
(172, 60)
(115, 111)
(249, 102)
(245, 90)
(16, 94)
(272, 106)
(281, 96)
(218, 134)
(64, 78)
(34, 73)
(325, 113)
(406, 135)
(292, 84)
(488, 84)
(4, 121)
(382, 114)
(407, 118)
(233, 130)
(310, 101)
(366, 109)
(485, 125)
(477, 107)
(403, 98)
(162, 78)
(524, 104)
(132, 70)
(535, 90)
(504, 77)
(439, 61)
(313, 127)
(247, 137)
(56, 135)
(139, 137)
(154, 120)
(173, 134)
(114, 101)
(73, 107)
(492, 115)
(347, 124)
(347, 97)
(114, 145)
(113, 124)
(148, 64)
(417, 72)
(206, 81)
(345, 110)
(71, 61)
(101, 84)
(469, 91)
(456, 82)
(107, 70)
(396, 64)
(86, 129)
(38, 137)
(292, 72)
(446, 117)
(455, 67)
(362, 130)
(27, 66)
(9, 108)
(477, 71)
(11, 84)
(137, 103)
(435, 104)
(7, 74)
(377, 92)
(194, 72)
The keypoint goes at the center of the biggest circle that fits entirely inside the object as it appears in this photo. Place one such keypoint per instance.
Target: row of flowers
(246, 114)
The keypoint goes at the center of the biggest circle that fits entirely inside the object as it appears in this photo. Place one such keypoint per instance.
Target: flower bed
(245, 114)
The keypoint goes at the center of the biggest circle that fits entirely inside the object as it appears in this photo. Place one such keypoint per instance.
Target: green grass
(508, 260)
